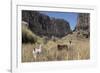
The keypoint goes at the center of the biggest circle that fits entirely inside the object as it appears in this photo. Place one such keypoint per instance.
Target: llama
(61, 47)
(65, 46)
(37, 51)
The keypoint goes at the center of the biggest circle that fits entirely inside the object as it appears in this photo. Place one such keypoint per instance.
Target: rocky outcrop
(83, 24)
(43, 25)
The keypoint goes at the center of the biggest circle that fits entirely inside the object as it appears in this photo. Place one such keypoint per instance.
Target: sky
(68, 16)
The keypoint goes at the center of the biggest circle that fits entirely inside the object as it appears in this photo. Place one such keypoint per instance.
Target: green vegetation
(27, 35)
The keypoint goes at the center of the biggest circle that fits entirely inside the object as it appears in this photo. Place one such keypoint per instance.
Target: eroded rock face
(43, 25)
(83, 21)
(83, 24)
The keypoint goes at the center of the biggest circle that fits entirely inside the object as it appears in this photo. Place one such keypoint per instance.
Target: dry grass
(79, 50)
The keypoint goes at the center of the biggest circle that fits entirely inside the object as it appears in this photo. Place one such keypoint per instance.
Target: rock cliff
(43, 25)
(83, 25)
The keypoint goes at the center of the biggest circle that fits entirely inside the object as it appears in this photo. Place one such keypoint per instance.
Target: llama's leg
(35, 56)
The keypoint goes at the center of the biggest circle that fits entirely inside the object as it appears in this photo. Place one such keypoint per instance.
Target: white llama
(37, 51)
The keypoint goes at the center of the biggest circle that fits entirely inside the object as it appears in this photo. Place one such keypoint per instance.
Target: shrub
(27, 35)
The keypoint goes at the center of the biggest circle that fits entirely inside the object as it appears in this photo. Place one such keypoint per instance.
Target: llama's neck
(39, 46)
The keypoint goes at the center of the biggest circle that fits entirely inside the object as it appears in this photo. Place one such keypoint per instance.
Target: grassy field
(78, 50)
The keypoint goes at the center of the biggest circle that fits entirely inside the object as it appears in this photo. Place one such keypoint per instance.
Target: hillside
(78, 50)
